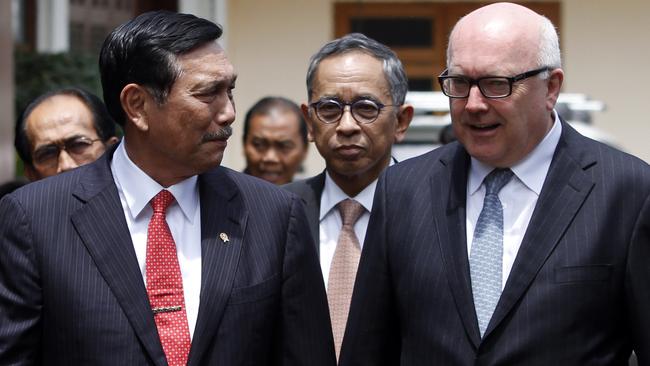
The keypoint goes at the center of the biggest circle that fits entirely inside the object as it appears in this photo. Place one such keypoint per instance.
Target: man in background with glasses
(356, 88)
(61, 130)
(524, 243)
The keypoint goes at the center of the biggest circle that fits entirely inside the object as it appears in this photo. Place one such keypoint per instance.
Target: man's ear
(31, 173)
(554, 84)
(305, 113)
(404, 117)
(134, 99)
(111, 141)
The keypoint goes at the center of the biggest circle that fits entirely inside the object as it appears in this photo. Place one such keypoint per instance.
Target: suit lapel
(449, 216)
(222, 212)
(564, 191)
(102, 227)
(312, 206)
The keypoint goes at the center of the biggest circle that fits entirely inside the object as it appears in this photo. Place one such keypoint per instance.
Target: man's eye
(46, 153)
(260, 145)
(286, 146)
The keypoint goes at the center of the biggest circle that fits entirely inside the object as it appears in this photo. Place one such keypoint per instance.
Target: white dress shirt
(330, 219)
(518, 197)
(183, 216)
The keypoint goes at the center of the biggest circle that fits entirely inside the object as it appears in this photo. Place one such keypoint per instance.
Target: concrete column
(52, 26)
(214, 10)
(7, 157)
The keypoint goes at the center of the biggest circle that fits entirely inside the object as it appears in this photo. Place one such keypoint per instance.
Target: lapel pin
(224, 237)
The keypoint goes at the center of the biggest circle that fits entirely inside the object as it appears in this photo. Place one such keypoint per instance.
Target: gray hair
(549, 45)
(393, 68)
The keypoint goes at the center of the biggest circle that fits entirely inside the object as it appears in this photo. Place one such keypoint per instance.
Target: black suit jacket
(310, 191)
(71, 292)
(578, 292)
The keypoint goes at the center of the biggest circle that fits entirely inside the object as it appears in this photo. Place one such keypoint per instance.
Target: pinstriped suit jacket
(578, 293)
(71, 292)
(310, 191)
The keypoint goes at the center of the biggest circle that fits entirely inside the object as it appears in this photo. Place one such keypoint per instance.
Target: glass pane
(396, 32)
(420, 84)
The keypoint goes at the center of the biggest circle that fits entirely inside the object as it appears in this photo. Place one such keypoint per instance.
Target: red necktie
(165, 284)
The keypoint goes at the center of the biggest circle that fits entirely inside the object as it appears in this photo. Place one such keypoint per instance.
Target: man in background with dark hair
(153, 254)
(61, 130)
(275, 140)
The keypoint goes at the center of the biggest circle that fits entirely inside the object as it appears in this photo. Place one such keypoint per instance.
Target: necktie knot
(496, 180)
(161, 201)
(350, 211)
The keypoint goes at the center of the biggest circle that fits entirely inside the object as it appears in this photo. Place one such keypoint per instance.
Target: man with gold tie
(356, 88)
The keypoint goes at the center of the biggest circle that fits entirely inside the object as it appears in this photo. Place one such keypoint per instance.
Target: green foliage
(37, 73)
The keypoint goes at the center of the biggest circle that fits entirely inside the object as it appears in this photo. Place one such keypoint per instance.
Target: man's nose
(65, 162)
(476, 101)
(271, 156)
(347, 124)
(226, 115)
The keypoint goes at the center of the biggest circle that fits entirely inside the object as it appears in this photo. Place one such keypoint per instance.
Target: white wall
(607, 55)
(605, 44)
(270, 43)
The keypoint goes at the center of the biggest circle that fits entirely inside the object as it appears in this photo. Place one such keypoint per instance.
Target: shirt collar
(138, 188)
(333, 194)
(531, 170)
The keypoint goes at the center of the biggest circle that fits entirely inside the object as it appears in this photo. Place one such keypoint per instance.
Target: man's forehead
(492, 48)
(60, 110)
(276, 120)
(208, 57)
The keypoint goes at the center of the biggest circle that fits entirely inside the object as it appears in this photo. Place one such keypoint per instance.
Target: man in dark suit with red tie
(525, 243)
(153, 254)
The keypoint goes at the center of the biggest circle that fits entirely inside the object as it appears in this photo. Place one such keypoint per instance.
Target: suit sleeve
(20, 292)
(372, 336)
(638, 288)
(306, 335)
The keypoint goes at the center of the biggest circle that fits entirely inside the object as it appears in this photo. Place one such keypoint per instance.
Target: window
(417, 32)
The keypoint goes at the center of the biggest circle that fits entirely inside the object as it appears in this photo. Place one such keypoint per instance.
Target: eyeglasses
(78, 147)
(362, 110)
(493, 87)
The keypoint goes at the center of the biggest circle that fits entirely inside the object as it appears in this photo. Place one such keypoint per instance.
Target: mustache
(222, 134)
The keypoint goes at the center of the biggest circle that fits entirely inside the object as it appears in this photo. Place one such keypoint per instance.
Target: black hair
(144, 50)
(264, 106)
(102, 121)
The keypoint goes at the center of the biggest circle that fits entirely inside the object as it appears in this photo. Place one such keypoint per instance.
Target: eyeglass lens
(490, 87)
(76, 146)
(363, 110)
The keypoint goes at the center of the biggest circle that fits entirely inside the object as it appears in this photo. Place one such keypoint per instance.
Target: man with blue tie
(154, 254)
(525, 243)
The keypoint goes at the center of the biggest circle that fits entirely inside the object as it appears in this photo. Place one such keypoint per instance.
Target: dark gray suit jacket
(310, 190)
(71, 292)
(579, 290)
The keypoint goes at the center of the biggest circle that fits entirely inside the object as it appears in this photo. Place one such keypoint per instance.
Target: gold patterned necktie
(343, 269)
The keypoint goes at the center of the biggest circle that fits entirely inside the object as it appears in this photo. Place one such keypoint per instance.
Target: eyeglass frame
(343, 104)
(62, 145)
(511, 80)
